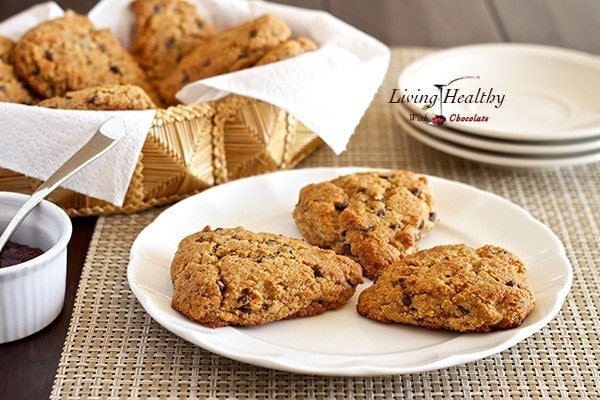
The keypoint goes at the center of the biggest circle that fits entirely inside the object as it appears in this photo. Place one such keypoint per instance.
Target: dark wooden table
(28, 366)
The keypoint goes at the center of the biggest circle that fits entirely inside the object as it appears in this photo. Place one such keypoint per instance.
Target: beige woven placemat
(115, 350)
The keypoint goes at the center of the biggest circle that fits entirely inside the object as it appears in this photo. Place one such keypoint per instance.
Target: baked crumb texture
(452, 287)
(372, 217)
(237, 277)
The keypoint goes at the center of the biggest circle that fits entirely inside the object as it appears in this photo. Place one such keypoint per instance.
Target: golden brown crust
(452, 287)
(68, 53)
(237, 48)
(238, 277)
(373, 217)
(108, 97)
(288, 49)
(166, 30)
(6, 49)
(11, 88)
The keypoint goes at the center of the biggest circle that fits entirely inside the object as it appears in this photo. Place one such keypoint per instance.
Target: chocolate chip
(421, 225)
(510, 283)
(347, 249)
(244, 298)
(340, 206)
(317, 271)
(115, 69)
(432, 216)
(366, 228)
(93, 100)
(246, 309)
(170, 43)
(222, 286)
(157, 9)
(401, 282)
(394, 226)
(464, 310)
(416, 191)
(252, 33)
(260, 259)
(406, 299)
(48, 55)
(381, 213)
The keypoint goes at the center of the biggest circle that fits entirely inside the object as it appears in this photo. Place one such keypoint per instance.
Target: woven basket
(192, 147)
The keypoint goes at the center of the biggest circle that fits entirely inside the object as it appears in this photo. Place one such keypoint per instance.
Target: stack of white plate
(512, 105)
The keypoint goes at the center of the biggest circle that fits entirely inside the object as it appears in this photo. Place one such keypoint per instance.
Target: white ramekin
(32, 293)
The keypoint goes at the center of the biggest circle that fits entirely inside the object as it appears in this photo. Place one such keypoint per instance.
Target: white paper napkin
(37, 143)
(328, 90)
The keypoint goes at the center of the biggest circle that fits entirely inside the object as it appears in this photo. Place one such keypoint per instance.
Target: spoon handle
(107, 135)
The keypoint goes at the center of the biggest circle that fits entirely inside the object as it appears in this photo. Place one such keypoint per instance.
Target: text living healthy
(451, 96)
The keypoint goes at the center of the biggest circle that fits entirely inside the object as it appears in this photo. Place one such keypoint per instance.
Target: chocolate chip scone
(69, 53)
(288, 49)
(373, 217)
(237, 48)
(166, 30)
(6, 49)
(108, 97)
(452, 287)
(237, 277)
(11, 88)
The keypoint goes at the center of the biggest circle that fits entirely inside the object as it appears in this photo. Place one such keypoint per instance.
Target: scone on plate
(237, 277)
(373, 217)
(453, 287)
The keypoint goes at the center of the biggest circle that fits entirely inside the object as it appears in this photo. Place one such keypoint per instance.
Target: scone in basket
(247, 124)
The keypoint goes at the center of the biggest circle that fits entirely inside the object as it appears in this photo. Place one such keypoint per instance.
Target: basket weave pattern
(192, 147)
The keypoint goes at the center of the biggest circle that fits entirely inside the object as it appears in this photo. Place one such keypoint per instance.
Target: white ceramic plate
(341, 342)
(529, 148)
(551, 93)
(496, 158)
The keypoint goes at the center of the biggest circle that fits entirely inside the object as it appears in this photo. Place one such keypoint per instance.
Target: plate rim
(508, 146)
(356, 368)
(495, 158)
(572, 55)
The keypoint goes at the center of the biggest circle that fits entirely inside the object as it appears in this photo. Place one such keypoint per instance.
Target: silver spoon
(107, 135)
